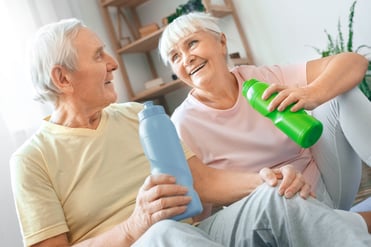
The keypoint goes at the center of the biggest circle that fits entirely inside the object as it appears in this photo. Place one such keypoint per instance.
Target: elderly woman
(83, 178)
(221, 128)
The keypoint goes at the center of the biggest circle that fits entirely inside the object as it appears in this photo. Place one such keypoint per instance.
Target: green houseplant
(337, 45)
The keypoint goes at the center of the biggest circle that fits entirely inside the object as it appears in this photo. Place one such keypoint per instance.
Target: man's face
(92, 79)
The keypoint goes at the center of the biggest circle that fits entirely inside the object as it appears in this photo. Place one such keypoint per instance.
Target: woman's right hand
(159, 198)
(292, 181)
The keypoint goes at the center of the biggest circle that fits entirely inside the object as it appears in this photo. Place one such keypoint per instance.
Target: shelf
(220, 10)
(122, 3)
(145, 44)
(239, 61)
(158, 91)
(126, 15)
(150, 42)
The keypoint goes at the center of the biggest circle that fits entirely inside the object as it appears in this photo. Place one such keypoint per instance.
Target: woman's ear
(60, 78)
(223, 41)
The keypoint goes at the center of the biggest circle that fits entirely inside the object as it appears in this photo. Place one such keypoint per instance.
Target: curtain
(20, 115)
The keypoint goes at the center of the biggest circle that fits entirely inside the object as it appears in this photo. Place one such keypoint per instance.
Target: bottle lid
(150, 110)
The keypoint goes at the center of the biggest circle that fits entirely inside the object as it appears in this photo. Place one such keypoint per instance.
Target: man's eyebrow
(99, 49)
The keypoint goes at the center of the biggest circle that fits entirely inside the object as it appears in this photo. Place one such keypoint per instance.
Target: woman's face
(92, 79)
(199, 58)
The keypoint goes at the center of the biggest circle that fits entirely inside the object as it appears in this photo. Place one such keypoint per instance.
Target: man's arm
(159, 198)
(114, 237)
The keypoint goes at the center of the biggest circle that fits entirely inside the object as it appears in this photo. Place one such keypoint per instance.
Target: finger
(165, 190)
(278, 101)
(289, 175)
(297, 106)
(305, 191)
(296, 186)
(167, 213)
(273, 88)
(287, 102)
(168, 206)
(170, 202)
(269, 176)
(157, 179)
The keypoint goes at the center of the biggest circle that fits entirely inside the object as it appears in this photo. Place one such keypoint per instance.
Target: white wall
(278, 32)
(282, 31)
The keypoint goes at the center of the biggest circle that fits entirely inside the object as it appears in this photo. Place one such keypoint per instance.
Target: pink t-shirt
(240, 138)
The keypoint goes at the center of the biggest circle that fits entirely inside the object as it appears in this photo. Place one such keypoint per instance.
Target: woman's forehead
(187, 38)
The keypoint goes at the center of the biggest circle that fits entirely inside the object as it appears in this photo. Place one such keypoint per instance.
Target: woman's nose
(188, 58)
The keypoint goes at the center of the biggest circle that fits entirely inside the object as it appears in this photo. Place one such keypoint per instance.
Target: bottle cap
(247, 85)
(150, 110)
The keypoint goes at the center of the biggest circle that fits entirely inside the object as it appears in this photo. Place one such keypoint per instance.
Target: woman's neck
(223, 95)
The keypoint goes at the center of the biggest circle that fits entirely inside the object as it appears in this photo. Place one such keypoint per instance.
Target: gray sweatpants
(265, 219)
(346, 139)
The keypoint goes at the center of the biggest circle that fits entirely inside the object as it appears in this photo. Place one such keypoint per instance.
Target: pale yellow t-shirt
(77, 180)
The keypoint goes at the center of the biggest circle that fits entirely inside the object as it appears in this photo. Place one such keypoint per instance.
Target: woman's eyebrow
(181, 43)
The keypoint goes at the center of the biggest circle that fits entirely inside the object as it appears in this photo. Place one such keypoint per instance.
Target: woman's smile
(199, 67)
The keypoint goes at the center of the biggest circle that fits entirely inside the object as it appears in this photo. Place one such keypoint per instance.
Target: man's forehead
(86, 36)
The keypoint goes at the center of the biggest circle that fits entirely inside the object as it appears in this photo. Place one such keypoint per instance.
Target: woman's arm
(327, 77)
(223, 187)
(334, 75)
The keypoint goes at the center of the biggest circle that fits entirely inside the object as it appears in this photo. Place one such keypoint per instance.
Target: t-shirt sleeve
(291, 75)
(294, 75)
(37, 203)
(187, 152)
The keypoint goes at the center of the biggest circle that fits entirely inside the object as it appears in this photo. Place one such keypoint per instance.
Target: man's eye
(99, 55)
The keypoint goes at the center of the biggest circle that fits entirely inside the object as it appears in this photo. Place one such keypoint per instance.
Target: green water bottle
(299, 126)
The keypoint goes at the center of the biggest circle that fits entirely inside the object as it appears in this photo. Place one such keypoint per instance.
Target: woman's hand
(159, 198)
(298, 97)
(292, 181)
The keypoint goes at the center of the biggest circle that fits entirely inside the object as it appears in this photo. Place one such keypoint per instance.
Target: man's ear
(60, 78)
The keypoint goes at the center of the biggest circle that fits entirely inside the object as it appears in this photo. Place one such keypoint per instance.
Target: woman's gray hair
(52, 45)
(183, 26)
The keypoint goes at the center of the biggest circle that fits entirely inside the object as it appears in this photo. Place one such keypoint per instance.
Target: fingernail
(288, 194)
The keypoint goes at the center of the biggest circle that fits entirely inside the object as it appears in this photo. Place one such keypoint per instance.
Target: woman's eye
(192, 43)
(174, 57)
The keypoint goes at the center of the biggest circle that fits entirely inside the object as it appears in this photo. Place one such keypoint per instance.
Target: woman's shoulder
(271, 73)
(187, 108)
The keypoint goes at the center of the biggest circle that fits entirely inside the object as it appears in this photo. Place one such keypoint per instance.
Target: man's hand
(292, 181)
(159, 198)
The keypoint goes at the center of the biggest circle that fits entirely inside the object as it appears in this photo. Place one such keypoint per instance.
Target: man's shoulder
(128, 109)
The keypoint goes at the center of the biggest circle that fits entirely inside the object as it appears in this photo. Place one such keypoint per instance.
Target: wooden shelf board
(158, 91)
(219, 10)
(123, 3)
(239, 61)
(144, 44)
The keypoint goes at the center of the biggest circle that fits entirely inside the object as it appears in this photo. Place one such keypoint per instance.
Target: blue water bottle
(162, 148)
